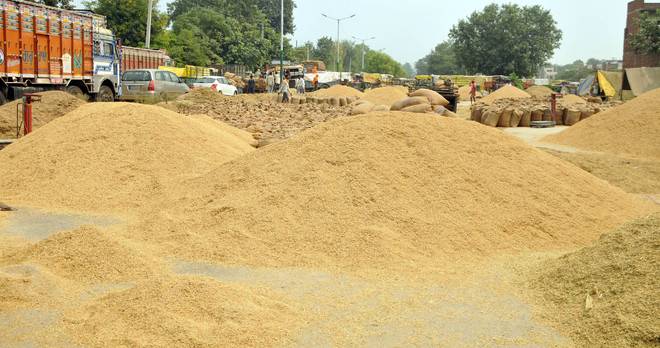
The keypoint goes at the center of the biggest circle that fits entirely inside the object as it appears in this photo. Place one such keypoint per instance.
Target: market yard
(184, 195)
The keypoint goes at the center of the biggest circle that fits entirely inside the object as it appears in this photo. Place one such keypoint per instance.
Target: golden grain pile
(506, 92)
(607, 294)
(385, 191)
(631, 129)
(539, 91)
(114, 156)
(53, 104)
(337, 91)
(386, 95)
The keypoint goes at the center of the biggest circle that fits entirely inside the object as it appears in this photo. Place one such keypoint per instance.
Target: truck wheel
(105, 94)
(76, 92)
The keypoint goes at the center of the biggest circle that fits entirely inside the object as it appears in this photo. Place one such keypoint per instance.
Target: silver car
(151, 85)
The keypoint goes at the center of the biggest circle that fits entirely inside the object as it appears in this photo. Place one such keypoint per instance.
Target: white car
(216, 83)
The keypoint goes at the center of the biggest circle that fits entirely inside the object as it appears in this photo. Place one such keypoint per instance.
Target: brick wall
(630, 58)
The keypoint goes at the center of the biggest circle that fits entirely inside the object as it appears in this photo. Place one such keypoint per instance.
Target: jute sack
(515, 118)
(476, 114)
(547, 115)
(404, 103)
(343, 101)
(434, 97)
(419, 108)
(360, 101)
(586, 114)
(334, 101)
(537, 115)
(320, 100)
(381, 108)
(362, 108)
(572, 117)
(505, 118)
(491, 117)
(526, 118)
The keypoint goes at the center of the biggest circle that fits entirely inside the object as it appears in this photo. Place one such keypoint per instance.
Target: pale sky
(408, 30)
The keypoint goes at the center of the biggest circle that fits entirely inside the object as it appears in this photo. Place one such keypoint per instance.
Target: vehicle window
(205, 80)
(137, 75)
(162, 76)
(223, 80)
(107, 48)
(97, 48)
(174, 78)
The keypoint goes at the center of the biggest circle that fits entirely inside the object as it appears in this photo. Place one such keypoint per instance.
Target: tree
(506, 39)
(66, 4)
(324, 50)
(127, 19)
(441, 61)
(647, 39)
(379, 62)
(409, 70)
(271, 8)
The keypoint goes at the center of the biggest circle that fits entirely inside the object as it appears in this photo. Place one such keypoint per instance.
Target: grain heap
(632, 128)
(385, 95)
(520, 112)
(539, 92)
(606, 294)
(388, 191)
(113, 156)
(53, 104)
(103, 290)
(506, 92)
(337, 91)
(259, 114)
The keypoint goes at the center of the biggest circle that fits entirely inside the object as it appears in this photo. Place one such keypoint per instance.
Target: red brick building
(632, 59)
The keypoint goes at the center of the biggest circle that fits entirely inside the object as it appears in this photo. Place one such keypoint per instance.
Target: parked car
(151, 85)
(216, 83)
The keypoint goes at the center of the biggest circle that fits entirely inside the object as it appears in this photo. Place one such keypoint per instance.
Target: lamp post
(338, 21)
(281, 41)
(363, 41)
(147, 41)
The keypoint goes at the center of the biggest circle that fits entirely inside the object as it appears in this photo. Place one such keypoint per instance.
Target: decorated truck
(45, 48)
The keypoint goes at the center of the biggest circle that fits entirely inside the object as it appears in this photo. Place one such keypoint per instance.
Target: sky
(409, 29)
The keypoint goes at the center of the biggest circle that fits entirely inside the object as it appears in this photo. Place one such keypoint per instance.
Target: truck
(47, 48)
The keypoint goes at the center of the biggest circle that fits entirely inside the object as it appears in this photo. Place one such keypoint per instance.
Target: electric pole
(338, 21)
(363, 41)
(147, 42)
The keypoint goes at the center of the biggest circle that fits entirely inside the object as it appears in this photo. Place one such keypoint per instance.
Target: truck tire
(105, 94)
(76, 92)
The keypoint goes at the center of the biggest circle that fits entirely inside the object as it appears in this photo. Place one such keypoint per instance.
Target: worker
(315, 82)
(300, 85)
(270, 82)
(251, 84)
(473, 92)
(284, 89)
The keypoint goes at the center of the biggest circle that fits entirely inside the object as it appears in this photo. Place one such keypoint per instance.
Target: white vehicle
(216, 83)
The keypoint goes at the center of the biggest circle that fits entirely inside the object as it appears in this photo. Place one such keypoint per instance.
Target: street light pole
(338, 21)
(363, 41)
(281, 41)
(147, 41)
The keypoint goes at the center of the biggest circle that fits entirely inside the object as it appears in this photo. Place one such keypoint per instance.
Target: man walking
(284, 89)
(270, 82)
(473, 92)
(300, 85)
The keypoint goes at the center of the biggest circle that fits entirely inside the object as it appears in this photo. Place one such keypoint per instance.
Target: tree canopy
(506, 39)
(647, 39)
(441, 61)
(57, 3)
(128, 19)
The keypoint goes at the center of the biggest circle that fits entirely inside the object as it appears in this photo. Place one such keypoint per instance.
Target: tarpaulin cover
(605, 85)
(585, 85)
(642, 80)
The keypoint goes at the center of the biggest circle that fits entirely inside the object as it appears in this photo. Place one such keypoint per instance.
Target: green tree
(410, 71)
(506, 39)
(271, 8)
(127, 19)
(324, 51)
(647, 39)
(57, 3)
(441, 61)
(379, 62)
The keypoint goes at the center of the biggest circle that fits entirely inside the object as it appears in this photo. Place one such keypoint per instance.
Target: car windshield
(138, 75)
(206, 80)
